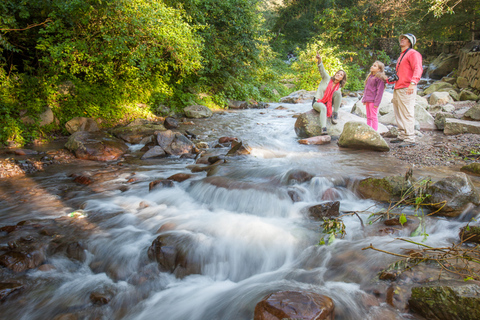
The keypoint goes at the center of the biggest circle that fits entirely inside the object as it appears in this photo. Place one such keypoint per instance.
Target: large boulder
(197, 112)
(467, 95)
(98, 146)
(455, 126)
(422, 116)
(174, 143)
(436, 86)
(135, 132)
(440, 119)
(81, 124)
(386, 106)
(452, 195)
(295, 305)
(440, 98)
(385, 189)
(307, 124)
(444, 64)
(473, 113)
(358, 135)
(445, 301)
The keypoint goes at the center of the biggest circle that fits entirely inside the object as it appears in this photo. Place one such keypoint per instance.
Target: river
(249, 241)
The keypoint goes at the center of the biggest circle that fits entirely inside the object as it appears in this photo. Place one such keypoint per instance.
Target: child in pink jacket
(373, 93)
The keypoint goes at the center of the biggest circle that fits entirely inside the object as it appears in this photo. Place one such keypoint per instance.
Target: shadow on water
(238, 227)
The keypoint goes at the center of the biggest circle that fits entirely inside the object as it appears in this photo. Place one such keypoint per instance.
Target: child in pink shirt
(373, 93)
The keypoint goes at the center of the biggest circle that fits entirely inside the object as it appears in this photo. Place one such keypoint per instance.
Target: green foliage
(334, 59)
(333, 228)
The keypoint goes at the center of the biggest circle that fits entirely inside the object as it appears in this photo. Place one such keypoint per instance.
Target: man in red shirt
(409, 70)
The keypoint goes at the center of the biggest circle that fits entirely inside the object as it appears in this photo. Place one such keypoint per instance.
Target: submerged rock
(452, 195)
(295, 305)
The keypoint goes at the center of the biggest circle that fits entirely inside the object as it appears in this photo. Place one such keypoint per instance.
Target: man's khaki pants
(404, 108)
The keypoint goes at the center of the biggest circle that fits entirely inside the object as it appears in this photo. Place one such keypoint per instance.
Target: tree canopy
(118, 54)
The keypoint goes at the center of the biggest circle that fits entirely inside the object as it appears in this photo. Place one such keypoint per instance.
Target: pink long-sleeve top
(373, 90)
(410, 69)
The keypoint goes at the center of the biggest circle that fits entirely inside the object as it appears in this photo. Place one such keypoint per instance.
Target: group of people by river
(408, 71)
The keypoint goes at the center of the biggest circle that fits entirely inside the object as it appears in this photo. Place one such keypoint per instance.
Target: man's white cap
(410, 38)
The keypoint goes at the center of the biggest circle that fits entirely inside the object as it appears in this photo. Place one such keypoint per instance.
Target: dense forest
(116, 60)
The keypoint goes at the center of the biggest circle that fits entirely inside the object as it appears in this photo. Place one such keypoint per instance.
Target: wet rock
(72, 250)
(296, 176)
(179, 177)
(97, 146)
(452, 195)
(294, 195)
(319, 140)
(24, 257)
(358, 135)
(136, 131)
(174, 143)
(295, 305)
(82, 179)
(172, 255)
(8, 288)
(238, 148)
(470, 234)
(445, 301)
(157, 184)
(227, 139)
(99, 298)
(324, 210)
(331, 194)
(472, 168)
(81, 124)
(154, 152)
(383, 189)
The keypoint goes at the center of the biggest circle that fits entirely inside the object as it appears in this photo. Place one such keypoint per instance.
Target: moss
(472, 168)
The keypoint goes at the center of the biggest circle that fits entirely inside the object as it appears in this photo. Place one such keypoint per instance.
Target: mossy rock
(446, 301)
(472, 168)
(470, 234)
(383, 189)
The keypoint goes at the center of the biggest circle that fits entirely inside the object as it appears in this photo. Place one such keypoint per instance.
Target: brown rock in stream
(295, 305)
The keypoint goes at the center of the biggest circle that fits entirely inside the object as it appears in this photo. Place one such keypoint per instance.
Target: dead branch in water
(454, 259)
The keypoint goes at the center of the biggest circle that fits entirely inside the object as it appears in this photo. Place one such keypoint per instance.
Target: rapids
(250, 241)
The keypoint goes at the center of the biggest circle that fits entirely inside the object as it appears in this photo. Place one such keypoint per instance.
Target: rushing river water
(250, 241)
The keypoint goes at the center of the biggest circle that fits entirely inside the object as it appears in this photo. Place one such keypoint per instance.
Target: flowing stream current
(250, 241)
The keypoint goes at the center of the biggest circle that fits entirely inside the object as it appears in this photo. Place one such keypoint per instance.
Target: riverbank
(432, 149)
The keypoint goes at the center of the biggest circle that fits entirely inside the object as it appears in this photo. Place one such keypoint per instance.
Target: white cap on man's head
(410, 38)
